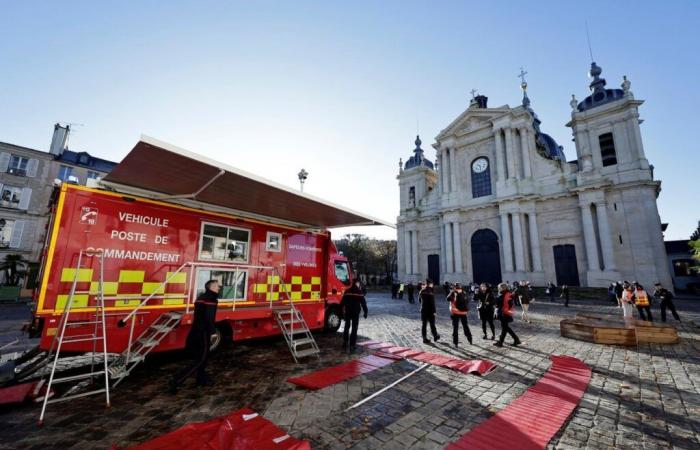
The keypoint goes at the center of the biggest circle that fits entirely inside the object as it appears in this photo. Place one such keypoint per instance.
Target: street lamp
(303, 175)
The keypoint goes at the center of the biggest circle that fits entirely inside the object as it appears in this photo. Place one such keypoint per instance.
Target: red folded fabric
(336, 374)
(530, 421)
(240, 430)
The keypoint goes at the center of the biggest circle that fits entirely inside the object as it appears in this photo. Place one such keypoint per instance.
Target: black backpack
(461, 302)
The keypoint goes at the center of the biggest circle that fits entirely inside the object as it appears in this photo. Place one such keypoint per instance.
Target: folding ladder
(296, 332)
(98, 338)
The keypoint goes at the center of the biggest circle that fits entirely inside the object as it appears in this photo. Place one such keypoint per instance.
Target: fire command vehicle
(125, 260)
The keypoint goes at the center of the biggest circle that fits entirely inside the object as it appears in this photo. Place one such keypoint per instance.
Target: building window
(18, 166)
(607, 149)
(683, 267)
(64, 172)
(234, 283)
(6, 228)
(412, 197)
(10, 196)
(273, 242)
(222, 243)
(481, 177)
(91, 174)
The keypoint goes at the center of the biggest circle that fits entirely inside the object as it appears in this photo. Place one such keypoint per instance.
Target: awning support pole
(194, 194)
(384, 389)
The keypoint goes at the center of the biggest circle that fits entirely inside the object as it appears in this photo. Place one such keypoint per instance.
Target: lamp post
(303, 175)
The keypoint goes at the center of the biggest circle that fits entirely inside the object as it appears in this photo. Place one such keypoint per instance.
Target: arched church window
(481, 177)
(607, 149)
(412, 197)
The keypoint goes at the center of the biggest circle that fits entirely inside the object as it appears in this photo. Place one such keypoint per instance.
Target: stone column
(518, 243)
(445, 172)
(453, 171)
(443, 250)
(525, 146)
(407, 251)
(511, 153)
(605, 238)
(414, 251)
(584, 148)
(500, 157)
(439, 162)
(505, 243)
(535, 243)
(589, 237)
(457, 240)
(448, 244)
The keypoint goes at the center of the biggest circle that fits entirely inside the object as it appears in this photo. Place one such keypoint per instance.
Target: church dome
(600, 95)
(418, 159)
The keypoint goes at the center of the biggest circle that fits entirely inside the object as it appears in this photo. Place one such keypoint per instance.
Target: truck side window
(233, 283)
(342, 273)
(222, 243)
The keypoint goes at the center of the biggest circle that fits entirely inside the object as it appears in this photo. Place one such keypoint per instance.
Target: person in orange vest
(504, 303)
(459, 307)
(643, 304)
(627, 300)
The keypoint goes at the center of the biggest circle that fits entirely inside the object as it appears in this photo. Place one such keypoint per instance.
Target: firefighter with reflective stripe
(642, 301)
(666, 299)
(199, 337)
(459, 307)
(504, 303)
(352, 303)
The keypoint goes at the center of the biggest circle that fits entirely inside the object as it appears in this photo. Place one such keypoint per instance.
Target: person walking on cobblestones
(642, 302)
(459, 308)
(619, 290)
(351, 304)
(486, 307)
(666, 300)
(410, 290)
(428, 311)
(627, 300)
(199, 337)
(565, 294)
(551, 291)
(524, 295)
(504, 303)
(401, 286)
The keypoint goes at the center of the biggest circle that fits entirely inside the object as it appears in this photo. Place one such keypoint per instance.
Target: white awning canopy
(170, 172)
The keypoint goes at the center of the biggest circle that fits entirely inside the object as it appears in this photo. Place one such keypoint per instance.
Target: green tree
(14, 267)
(369, 256)
(695, 246)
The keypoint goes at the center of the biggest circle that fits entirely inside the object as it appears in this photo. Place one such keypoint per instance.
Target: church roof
(418, 159)
(599, 95)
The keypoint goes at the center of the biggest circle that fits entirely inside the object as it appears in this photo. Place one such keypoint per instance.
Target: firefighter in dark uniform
(353, 301)
(459, 308)
(199, 338)
(428, 311)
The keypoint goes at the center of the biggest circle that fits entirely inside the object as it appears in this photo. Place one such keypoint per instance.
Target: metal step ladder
(135, 353)
(98, 338)
(296, 332)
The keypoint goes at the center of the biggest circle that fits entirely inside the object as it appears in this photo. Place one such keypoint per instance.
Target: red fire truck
(163, 223)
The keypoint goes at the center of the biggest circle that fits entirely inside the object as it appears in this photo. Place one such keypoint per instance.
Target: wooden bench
(615, 330)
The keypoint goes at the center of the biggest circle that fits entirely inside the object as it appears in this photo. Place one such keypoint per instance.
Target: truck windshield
(341, 272)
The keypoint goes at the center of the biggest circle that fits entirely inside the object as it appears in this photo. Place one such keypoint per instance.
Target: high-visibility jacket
(627, 296)
(642, 297)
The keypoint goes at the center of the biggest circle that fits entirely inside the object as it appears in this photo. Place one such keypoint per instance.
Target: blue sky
(337, 87)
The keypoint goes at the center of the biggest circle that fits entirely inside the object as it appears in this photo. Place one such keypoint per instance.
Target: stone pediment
(472, 119)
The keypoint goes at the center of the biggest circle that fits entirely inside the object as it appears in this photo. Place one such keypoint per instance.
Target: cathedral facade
(501, 202)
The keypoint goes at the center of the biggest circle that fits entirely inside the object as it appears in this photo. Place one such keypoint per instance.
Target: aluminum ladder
(296, 332)
(98, 338)
(137, 350)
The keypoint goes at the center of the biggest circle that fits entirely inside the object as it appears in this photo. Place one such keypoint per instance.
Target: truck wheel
(332, 318)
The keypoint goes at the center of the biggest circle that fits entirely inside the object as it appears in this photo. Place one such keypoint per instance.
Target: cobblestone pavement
(641, 397)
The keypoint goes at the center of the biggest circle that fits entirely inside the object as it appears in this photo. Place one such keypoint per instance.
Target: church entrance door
(486, 258)
(434, 268)
(565, 265)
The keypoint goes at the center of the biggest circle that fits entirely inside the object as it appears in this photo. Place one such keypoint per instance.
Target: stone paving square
(639, 397)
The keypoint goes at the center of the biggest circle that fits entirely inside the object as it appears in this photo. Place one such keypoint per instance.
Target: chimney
(59, 141)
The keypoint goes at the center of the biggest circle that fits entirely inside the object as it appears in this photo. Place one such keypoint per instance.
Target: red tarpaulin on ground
(336, 374)
(530, 421)
(473, 366)
(15, 394)
(240, 430)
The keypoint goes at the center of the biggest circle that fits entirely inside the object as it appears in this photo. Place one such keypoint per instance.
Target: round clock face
(480, 165)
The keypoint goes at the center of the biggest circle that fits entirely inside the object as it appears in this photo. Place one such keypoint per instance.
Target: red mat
(530, 421)
(473, 366)
(240, 430)
(15, 394)
(341, 372)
